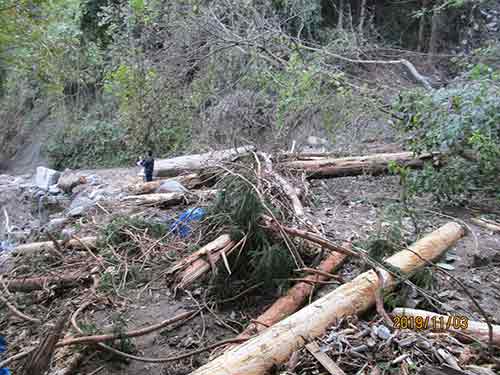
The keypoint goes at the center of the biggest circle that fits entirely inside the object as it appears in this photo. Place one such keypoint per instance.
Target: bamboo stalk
(275, 345)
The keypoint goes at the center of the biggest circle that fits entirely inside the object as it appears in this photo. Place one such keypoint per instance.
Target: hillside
(326, 194)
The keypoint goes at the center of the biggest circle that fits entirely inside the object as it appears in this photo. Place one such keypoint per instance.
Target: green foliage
(461, 121)
(118, 233)
(96, 144)
(262, 260)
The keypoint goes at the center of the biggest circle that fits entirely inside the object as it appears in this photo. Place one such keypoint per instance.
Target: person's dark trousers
(148, 176)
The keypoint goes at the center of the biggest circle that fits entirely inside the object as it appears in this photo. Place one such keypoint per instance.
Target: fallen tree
(190, 181)
(198, 263)
(296, 296)
(36, 247)
(170, 199)
(275, 345)
(189, 163)
(357, 165)
(30, 284)
(461, 326)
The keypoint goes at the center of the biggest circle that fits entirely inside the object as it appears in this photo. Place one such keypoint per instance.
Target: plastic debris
(181, 227)
(3, 348)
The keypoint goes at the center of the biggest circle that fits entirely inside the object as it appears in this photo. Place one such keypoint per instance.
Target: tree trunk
(436, 25)
(353, 166)
(340, 22)
(454, 324)
(203, 260)
(189, 181)
(421, 26)
(39, 283)
(82, 243)
(362, 15)
(182, 164)
(170, 199)
(275, 345)
(296, 296)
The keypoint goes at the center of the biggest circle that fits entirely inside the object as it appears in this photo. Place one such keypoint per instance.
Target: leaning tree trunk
(275, 345)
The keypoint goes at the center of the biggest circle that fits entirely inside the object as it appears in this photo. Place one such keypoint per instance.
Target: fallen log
(275, 345)
(30, 284)
(189, 163)
(190, 181)
(487, 224)
(357, 165)
(170, 199)
(198, 263)
(296, 296)
(36, 247)
(461, 326)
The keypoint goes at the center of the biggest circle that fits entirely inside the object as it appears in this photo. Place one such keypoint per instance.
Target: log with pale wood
(190, 163)
(170, 199)
(274, 345)
(197, 264)
(189, 181)
(439, 322)
(357, 165)
(37, 247)
(30, 284)
(297, 295)
(487, 224)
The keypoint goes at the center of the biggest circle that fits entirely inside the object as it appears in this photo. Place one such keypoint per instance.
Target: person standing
(149, 165)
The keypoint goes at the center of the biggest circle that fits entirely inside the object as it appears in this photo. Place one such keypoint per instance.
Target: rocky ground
(352, 208)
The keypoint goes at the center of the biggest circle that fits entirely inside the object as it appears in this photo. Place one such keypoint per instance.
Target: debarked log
(190, 163)
(275, 344)
(37, 247)
(357, 165)
(170, 199)
(30, 284)
(296, 295)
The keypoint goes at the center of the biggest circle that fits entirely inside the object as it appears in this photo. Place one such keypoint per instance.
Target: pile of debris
(233, 222)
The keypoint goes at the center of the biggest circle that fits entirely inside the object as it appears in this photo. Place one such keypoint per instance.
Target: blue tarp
(181, 227)
(3, 348)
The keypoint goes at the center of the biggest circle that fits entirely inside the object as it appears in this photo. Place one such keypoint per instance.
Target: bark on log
(296, 296)
(35, 247)
(182, 164)
(474, 329)
(39, 283)
(353, 166)
(276, 344)
(170, 199)
(197, 264)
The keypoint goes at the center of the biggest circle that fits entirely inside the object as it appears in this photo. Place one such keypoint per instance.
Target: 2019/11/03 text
(435, 323)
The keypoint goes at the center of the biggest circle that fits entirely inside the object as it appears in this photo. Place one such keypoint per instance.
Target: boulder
(46, 177)
(171, 186)
(80, 206)
(57, 224)
(69, 180)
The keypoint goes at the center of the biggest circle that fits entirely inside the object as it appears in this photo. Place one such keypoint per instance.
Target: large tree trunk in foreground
(296, 296)
(39, 283)
(452, 324)
(36, 247)
(275, 345)
(182, 164)
(353, 166)
(170, 199)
